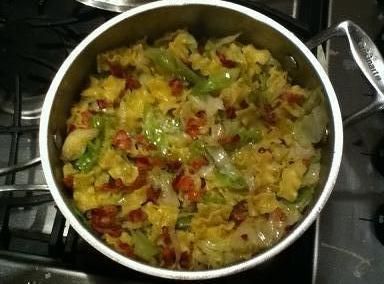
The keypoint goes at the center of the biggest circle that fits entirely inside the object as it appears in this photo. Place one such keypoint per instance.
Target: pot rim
(201, 274)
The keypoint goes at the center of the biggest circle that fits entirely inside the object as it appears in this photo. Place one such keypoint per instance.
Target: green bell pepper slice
(168, 63)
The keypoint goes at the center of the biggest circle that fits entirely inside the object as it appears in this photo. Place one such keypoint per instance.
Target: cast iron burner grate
(35, 37)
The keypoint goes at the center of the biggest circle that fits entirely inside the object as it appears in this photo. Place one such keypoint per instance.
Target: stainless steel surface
(367, 57)
(114, 5)
(213, 18)
(349, 252)
(124, 5)
(31, 106)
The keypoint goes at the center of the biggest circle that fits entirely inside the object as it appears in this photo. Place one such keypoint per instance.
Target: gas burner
(378, 157)
(35, 37)
(31, 106)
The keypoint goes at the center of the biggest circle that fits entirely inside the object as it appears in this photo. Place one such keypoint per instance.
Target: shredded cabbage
(193, 155)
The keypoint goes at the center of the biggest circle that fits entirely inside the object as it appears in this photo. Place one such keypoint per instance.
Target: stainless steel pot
(210, 18)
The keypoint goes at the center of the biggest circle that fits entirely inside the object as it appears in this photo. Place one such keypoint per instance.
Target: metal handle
(367, 57)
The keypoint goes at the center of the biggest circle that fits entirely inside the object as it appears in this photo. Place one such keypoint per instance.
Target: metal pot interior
(213, 19)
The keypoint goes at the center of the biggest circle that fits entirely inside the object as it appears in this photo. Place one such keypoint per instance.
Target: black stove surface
(36, 36)
(36, 243)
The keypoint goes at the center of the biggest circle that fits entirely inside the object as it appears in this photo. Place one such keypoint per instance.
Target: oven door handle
(367, 57)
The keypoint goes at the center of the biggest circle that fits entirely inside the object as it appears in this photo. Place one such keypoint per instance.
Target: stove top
(38, 246)
(350, 250)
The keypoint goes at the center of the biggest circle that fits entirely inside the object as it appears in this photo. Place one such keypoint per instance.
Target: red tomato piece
(306, 162)
(139, 182)
(166, 236)
(269, 116)
(239, 212)
(143, 163)
(184, 183)
(230, 112)
(201, 114)
(104, 221)
(113, 185)
(226, 62)
(125, 249)
(229, 139)
(114, 231)
(198, 163)
(131, 83)
(122, 140)
(143, 142)
(194, 124)
(176, 86)
(185, 260)
(244, 104)
(244, 237)
(278, 215)
(68, 182)
(168, 255)
(292, 98)
(102, 104)
(153, 195)
(86, 117)
(193, 195)
(173, 166)
(71, 128)
(116, 70)
(203, 183)
(137, 216)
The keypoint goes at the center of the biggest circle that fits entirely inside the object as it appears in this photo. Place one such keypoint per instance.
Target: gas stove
(37, 245)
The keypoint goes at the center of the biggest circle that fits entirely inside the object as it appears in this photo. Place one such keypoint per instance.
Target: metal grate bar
(28, 200)
(56, 244)
(10, 179)
(298, 27)
(315, 13)
(8, 129)
(70, 244)
(18, 167)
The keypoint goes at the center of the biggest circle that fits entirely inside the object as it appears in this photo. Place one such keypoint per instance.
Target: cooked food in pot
(190, 154)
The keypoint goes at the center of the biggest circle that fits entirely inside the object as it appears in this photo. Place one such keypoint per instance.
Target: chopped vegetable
(311, 128)
(90, 157)
(232, 181)
(76, 143)
(184, 222)
(251, 135)
(195, 155)
(227, 174)
(157, 128)
(165, 61)
(303, 199)
(97, 121)
(215, 82)
(213, 197)
(143, 247)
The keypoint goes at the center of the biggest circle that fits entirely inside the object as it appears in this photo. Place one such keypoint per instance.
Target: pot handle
(367, 57)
